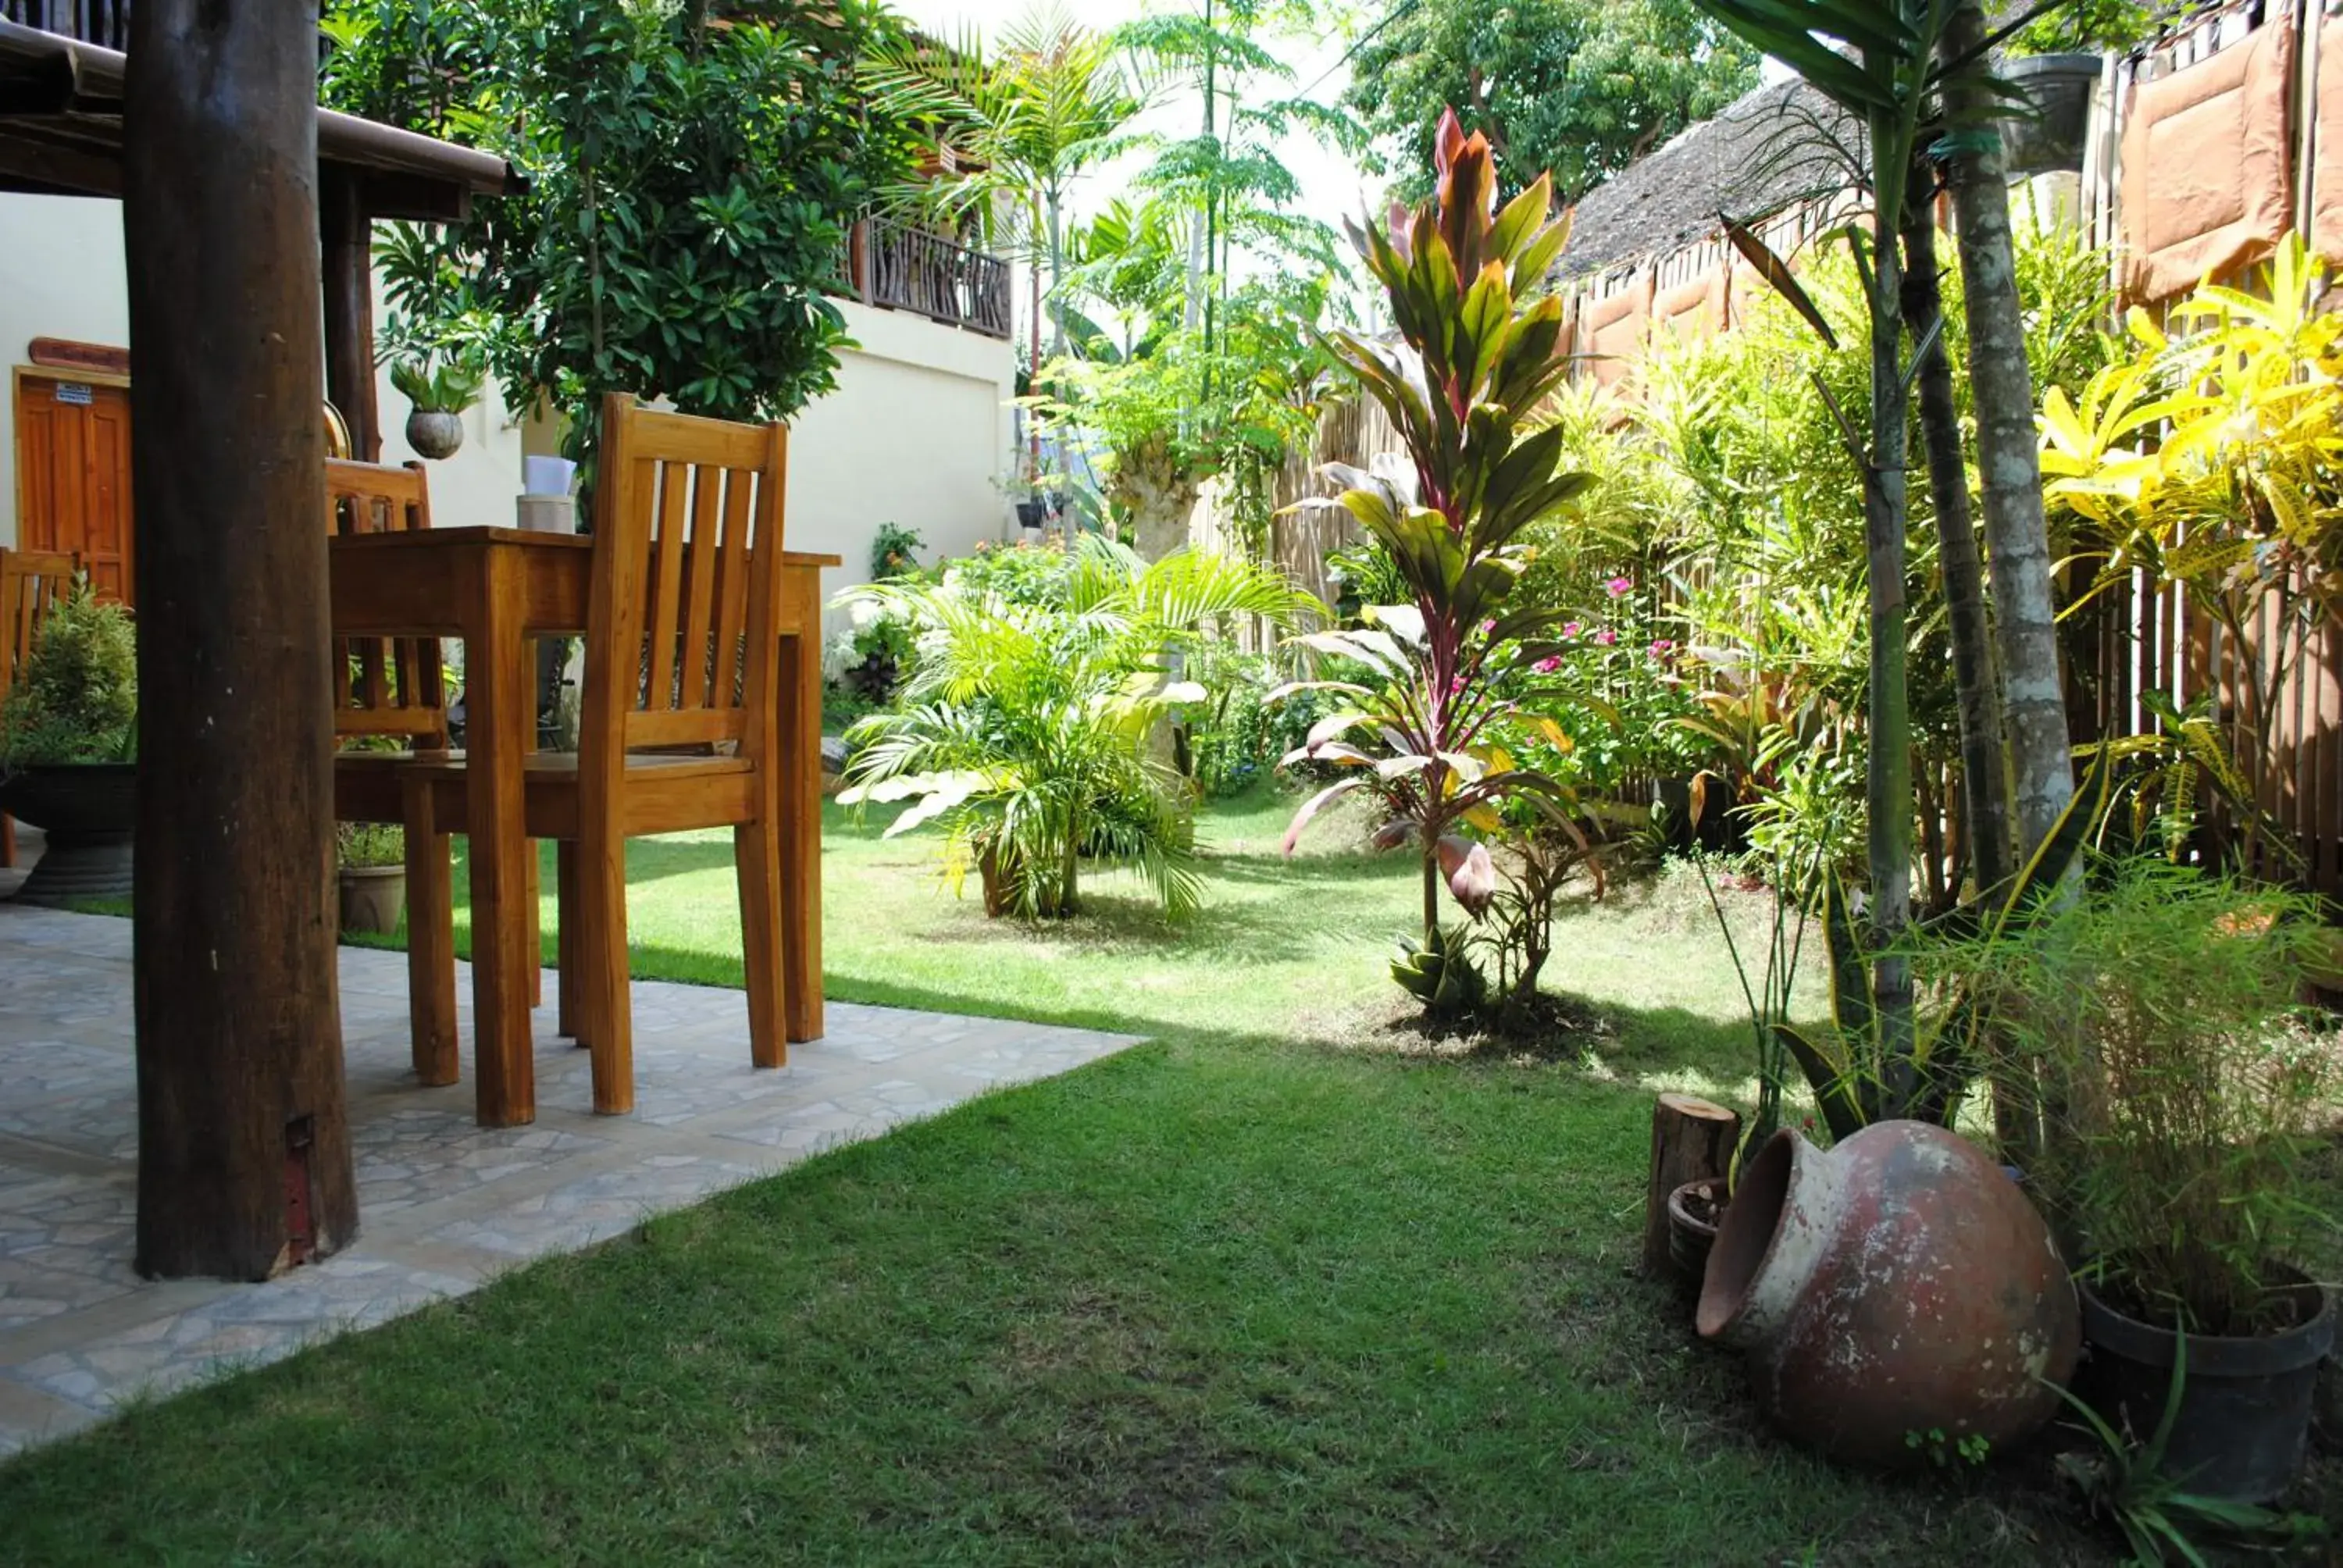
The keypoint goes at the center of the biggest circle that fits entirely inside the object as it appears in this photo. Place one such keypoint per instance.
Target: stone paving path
(444, 1205)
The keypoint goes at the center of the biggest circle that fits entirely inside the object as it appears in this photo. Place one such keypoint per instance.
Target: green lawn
(1249, 1293)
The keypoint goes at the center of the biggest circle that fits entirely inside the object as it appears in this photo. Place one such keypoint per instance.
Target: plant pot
(1894, 1283)
(372, 897)
(1693, 1210)
(434, 433)
(2245, 1408)
(2057, 89)
(1031, 511)
(89, 811)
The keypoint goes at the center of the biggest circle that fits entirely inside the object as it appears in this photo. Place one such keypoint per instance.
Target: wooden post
(1691, 1141)
(244, 1150)
(347, 255)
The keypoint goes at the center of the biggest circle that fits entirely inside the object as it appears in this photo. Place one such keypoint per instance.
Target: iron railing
(105, 23)
(911, 269)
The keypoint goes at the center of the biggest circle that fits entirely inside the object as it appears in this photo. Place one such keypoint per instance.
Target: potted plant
(68, 745)
(2054, 64)
(435, 427)
(372, 861)
(2160, 1013)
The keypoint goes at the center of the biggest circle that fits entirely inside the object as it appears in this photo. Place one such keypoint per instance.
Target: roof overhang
(61, 134)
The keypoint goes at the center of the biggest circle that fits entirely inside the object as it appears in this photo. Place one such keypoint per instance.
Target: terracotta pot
(372, 897)
(89, 811)
(434, 433)
(1897, 1282)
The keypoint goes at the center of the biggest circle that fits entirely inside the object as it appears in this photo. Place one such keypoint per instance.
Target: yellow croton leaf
(1554, 735)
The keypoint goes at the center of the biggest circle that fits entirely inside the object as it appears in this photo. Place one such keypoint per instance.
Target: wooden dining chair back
(385, 686)
(31, 583)
(682, 651)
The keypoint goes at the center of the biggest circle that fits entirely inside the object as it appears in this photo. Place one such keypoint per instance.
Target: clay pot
(90, 813)
(1690, 1235)
(372, 897)
(1895, 1283)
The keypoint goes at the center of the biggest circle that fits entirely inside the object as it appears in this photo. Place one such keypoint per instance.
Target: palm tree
(1027, 731)
(1012, 132)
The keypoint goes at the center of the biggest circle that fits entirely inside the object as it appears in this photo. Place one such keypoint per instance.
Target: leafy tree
(692, 170)
(1576, 88)
(1021, 126)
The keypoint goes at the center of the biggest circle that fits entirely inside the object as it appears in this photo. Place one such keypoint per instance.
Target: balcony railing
(105, 23)
(903, 268)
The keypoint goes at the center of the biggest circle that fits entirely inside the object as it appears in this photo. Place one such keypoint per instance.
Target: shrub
(895, 552)
(1024, 573)
(76, 694)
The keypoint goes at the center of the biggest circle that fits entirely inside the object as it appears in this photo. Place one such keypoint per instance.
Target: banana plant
(1857, 1076)
(1482, 346)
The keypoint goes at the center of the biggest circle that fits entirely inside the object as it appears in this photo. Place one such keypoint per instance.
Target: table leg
(498, 693)
(800, 844)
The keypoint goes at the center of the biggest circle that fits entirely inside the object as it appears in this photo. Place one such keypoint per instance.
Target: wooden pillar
(347, 250)
(244, 1156)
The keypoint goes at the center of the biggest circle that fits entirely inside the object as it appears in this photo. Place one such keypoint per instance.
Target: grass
(1247, 1293)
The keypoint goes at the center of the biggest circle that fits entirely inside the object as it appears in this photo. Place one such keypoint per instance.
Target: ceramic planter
(372, 897)
(434, 433)
(1690, 1235)
(2245, 1405)
(1894, 1283)
(89, 811)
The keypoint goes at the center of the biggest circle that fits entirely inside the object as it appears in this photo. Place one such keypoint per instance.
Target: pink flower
(1661, 647)
(1606, 637)
(1547, 665)
(1570, 628)
(1618, 586)
(1487, 627)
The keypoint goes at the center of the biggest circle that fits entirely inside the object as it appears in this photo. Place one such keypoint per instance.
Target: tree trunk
(1158, 495)
(1693, 1140)
(1984, 785)
(2001, 386)
(244, 1150)
(1887, 781)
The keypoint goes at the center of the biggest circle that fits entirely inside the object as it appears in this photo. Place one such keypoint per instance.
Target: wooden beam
(243, 1149)
(348, 262)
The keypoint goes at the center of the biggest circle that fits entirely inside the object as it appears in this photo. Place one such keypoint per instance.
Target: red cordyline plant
(1481, 348)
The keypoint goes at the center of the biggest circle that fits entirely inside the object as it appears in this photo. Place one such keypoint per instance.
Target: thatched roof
(1764, 153)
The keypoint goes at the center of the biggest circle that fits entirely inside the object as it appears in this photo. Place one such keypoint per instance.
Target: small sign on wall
(64, 353)
(76, 393)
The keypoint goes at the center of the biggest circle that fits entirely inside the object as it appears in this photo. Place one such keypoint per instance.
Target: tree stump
(1691, 1141)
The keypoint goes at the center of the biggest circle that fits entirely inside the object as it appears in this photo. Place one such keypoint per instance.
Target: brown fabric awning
(61, 134)
(2206, 186)
(2327, 175)
(1694, 309)
(1616, 327)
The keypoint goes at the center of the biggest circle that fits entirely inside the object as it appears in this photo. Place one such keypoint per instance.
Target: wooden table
(495, 588)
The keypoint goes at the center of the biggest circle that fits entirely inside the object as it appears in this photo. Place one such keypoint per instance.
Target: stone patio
(444, 1205)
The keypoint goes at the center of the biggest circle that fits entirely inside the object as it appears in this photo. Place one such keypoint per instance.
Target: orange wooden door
(72, 476)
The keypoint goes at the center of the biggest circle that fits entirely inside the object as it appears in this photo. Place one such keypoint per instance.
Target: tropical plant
(1578, 88)
(449, 387)
(1029, 731)
(895, 551)
(75, 699)
(2190, 1092)
(2127, 1482)
(1860, 1073)
(691, 173)
(1483, 348)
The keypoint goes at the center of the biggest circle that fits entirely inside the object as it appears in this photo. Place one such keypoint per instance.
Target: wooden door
(72, 476)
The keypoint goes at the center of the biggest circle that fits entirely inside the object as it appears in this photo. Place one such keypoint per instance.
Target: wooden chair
(682, 651)
(390, 702)
(30, 582)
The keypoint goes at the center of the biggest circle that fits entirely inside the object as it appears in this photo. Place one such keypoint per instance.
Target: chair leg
(610, 1013)
(568, 938)
(757, 861)
(431, 939)
(7, 842)
(535, 894)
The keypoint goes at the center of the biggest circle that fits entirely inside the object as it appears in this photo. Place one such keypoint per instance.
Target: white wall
(919, 431)
(60, 276)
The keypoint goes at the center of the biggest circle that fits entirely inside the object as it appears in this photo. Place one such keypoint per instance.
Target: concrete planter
(373, 899)
(89, 811)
